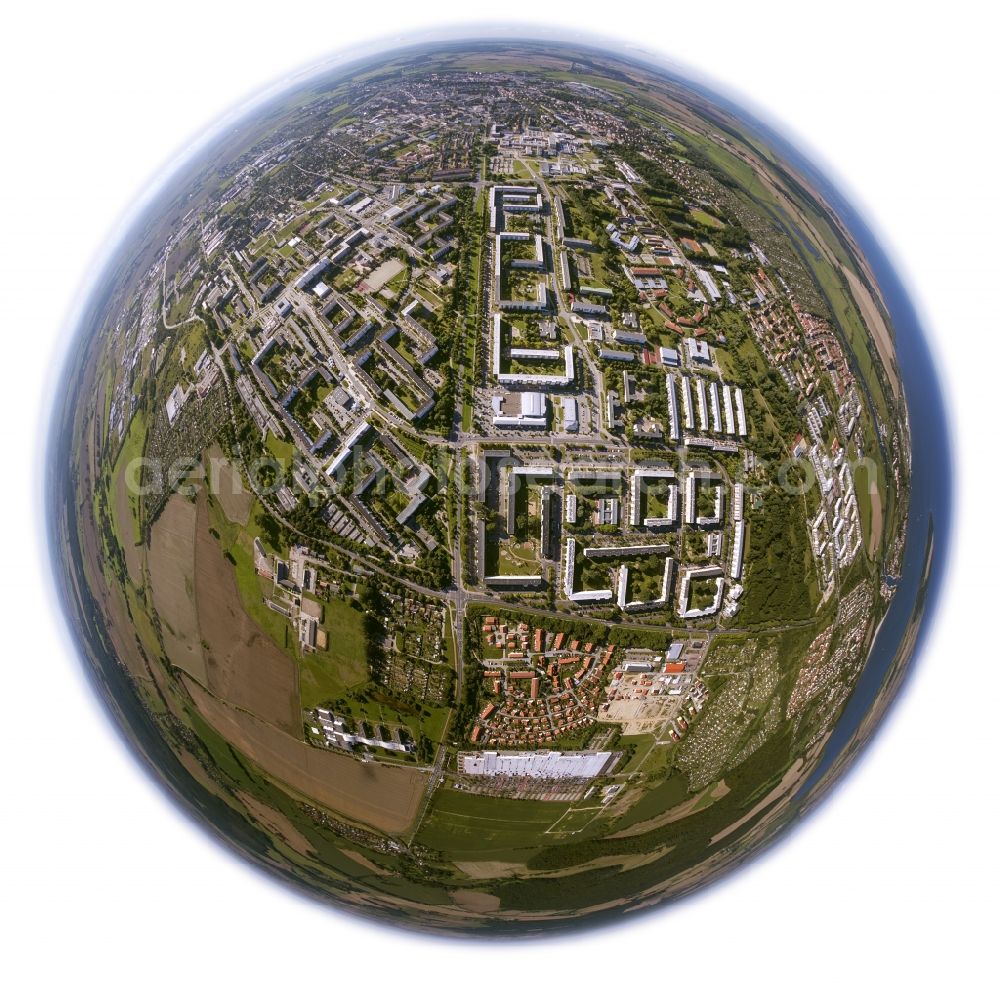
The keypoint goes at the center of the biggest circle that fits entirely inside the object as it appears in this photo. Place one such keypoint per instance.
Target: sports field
(460, 821)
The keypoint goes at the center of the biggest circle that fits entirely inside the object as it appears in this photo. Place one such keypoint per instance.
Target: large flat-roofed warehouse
(538, 764)
(521, 410)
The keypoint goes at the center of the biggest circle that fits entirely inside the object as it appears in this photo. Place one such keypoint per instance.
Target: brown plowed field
(382, 796)
(245, 668)
(171, 575)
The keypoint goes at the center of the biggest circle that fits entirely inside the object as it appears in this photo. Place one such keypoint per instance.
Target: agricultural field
(482, 491)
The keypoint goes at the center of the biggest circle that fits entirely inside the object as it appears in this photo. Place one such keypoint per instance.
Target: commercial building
(538, 764)
(571, 422)
(708, 282)
(521, 410)
(175, 402)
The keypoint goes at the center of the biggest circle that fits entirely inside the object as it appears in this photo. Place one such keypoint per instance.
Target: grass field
(705, 219)
(172, 579)
(282, 451)
(227, 485)
(382, 796)
(125, 514)
(671, 792)
(643, 743)
(461, 821)
(126, 526)
(343, 664)
(323, 674)
(574, 820)
(244, 665)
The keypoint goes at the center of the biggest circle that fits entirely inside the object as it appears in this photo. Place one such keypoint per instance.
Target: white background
(894, 878)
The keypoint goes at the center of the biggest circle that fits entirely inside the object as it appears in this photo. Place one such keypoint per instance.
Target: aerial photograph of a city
(483, 476)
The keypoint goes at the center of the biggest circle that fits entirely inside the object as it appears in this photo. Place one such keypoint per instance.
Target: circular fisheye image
(483, 490)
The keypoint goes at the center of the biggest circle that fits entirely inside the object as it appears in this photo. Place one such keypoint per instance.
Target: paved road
(457, 598)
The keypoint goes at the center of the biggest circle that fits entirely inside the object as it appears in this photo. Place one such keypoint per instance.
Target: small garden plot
(417, 679)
